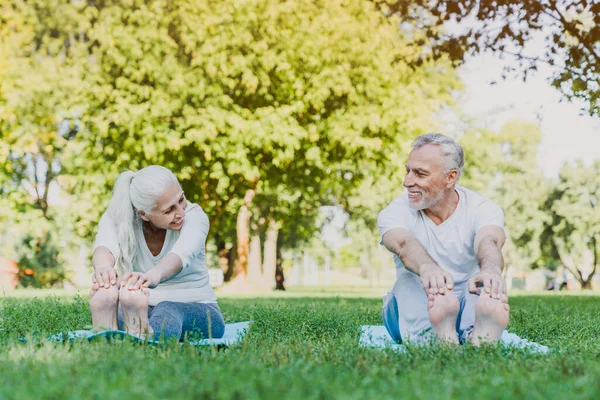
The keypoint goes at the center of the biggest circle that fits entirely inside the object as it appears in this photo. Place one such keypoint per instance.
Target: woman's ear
(143, 215)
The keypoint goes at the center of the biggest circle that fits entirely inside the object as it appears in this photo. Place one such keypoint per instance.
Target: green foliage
(573, 228)
(290, 99)
(300, 101)
(503, 167)
(303, 348)
(40, 97)
(570, 30)
(39, 262)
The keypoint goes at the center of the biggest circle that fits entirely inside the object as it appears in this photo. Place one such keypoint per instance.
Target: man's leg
(391, 317)
(405, 313)
(443, 314)
(491, 318)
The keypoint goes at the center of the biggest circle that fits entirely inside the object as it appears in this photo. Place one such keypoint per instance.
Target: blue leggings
(171, 319)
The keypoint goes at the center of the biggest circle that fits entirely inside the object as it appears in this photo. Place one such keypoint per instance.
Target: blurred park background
(289, 123)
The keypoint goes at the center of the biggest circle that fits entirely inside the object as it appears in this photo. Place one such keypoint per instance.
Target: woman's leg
(135, 311)
(121, 318)
(173, 319)
(103, 304)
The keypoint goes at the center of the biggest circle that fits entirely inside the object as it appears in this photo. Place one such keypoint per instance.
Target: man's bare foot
(443, 311)
(135, 311)
(103, 304)
(491, 317)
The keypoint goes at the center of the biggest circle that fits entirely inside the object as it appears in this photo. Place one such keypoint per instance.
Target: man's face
(425, 179)
(169, 211)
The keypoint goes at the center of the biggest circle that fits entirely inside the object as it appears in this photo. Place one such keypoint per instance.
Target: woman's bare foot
(491, 317)
(443, 311)
(103, 304)
(135, 311)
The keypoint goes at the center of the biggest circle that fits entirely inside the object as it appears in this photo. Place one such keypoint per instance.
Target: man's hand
(492, 282)
(135, 280)
(434, 279)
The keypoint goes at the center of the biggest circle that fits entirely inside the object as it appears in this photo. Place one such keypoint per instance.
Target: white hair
(136, 191)
(452, 151)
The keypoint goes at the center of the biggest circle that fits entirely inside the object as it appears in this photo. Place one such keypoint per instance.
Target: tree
(289, 99)
(503, 166)
(572, 234)
(570, 31)
(39, 93)
(295, 101)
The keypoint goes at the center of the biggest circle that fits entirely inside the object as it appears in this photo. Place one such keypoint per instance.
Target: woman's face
(169, 211)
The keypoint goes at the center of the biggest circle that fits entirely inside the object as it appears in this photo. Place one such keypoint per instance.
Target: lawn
(300, 348)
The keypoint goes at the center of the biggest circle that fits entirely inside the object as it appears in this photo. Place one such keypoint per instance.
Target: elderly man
(446, 242)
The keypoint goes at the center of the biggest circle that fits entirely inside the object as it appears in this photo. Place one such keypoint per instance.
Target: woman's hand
(104, 277)
(137, 280)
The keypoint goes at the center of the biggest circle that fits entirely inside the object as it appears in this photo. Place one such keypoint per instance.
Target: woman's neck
(150, 228)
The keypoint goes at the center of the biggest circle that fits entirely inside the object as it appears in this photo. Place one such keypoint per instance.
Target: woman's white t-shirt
(191, 284)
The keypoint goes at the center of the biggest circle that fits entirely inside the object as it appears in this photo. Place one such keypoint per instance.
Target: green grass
(304, 348)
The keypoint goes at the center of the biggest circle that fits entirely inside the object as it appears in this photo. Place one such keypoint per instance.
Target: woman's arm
(191, 243)
(168, 267)
(104, 268)
(106, 250)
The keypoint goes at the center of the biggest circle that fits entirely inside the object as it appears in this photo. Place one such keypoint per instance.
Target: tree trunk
(587, 282)
(226, 259)
(279, 278)
(254, 260)
(594, 244)
(243, 236)
(270, 252)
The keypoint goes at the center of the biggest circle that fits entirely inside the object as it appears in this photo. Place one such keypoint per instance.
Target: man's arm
(416, 259)
(488, 249)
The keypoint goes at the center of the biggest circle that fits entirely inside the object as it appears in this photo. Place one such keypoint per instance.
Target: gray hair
(454, 157)
(136, 191)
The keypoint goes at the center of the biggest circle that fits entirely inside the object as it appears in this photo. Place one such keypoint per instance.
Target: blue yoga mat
(234, 333)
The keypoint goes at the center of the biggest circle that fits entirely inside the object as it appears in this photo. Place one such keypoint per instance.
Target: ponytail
(121, 210)
(130, 195)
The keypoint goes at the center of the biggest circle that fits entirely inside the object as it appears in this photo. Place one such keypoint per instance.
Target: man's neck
(442, 210)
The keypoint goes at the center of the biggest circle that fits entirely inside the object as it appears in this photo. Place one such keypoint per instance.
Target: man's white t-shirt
(450, 244)
(191, 284)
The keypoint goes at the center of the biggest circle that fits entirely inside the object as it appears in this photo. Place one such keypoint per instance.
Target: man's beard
(426, 202)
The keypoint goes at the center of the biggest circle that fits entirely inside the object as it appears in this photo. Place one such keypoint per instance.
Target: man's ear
(451, 178)
(143, 215)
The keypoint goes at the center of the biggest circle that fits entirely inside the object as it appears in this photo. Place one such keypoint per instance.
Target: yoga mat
(377, 336)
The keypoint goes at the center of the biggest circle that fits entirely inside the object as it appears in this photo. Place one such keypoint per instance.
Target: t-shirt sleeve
(396, 215)
(107, 235)
(192, 239)
(488, 213)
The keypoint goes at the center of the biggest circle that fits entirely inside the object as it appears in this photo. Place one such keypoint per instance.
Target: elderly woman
(150, 274)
